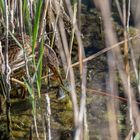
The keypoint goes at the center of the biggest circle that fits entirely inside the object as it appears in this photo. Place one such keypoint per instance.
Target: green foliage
(36, 23)
(39, 68)
(137, 137)
(27, 18)
(2, 9)
(15, 39)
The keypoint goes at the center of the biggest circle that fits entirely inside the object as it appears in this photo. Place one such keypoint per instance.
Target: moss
(19, 134)
(66, 118)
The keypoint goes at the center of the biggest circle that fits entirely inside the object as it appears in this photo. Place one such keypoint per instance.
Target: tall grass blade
(36, 23)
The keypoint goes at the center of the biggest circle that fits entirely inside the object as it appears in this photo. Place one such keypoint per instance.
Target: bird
(16, 56)
(15, 53)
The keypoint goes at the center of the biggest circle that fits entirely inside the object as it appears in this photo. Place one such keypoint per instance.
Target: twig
(18, 82)
(7, 72)
(126, 60)
(48, 114)
(71, 72)
(42, 19)
(102, 93)
(105, 50)
(111, 84)
(119, 9)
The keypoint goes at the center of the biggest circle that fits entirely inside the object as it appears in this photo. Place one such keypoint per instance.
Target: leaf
(32, 99)
(2, 6)
(39, 67)
(137, 137)
(36, 23)
(27, 17)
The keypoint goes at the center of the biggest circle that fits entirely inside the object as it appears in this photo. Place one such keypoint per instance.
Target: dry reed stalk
(7, 72)
(111, 83)
(123, 76)
(12, 16)
(126, 61)
(82, 111)
(43, 18)
(79, 14)
(23, 40)
(48, 116)
(71, 73)
(73, 18)
(135, 13)
(119, 9)
(62, 44)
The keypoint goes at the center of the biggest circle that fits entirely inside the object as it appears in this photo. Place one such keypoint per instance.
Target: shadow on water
(20, 106)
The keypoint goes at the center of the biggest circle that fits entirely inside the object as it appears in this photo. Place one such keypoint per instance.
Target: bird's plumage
(16, 54)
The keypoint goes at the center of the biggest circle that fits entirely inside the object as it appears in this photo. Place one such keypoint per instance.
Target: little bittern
(16, 55)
